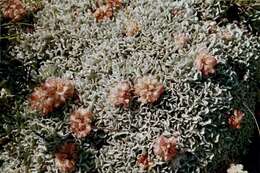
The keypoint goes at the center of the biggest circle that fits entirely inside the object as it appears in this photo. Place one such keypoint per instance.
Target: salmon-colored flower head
(165, 148)
(182, 40)
(206, 63)
(144, 161)
(177, 12)
(80, 122)
(121, 94)
(132, 29)
(51, 94)
(66, 157)
(235, 120)
(104, 12)
(15, 10)
(149, 89)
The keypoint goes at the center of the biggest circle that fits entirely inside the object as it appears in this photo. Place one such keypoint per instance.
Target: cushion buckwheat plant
(192, 101)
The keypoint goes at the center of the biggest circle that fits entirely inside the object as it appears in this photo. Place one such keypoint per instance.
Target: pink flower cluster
(147, 88)
(51, 94)
(80, 122)
(121, 94)
(15, 10)
(132, 29)
(206, 63)
(105, 12)
(165, 148)
(235, 120)
(144, 161)
(66, 157)
(182, 39)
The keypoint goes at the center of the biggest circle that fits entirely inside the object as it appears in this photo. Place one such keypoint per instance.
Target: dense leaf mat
(68, 42)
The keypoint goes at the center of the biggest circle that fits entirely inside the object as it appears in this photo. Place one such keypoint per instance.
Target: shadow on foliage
(244, 14)
(15, 77)
(87, 161)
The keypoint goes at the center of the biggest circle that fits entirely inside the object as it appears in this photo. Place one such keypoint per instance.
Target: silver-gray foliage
(95, 55)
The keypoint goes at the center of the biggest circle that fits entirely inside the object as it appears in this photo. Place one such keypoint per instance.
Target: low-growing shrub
(194, 108)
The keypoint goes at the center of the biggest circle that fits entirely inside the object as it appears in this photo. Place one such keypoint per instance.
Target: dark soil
(252, 160)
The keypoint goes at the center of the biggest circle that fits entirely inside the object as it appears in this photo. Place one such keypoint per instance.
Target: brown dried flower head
(165, 148)
(14, 10)
(35, 7)
(205, 63)
(66, 157)
(212, 27)
(132, 29)
(144, 161)
(149, 89)
(104, 12)
(51, 94)
(227, 36)
(182, 40)
(114, 3)
(121, 94)
(80, 122)
(235, 120)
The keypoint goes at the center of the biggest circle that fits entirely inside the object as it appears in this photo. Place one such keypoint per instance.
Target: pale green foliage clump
(193, 108)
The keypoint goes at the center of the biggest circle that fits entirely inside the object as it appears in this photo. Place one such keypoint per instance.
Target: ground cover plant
(130, 86)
